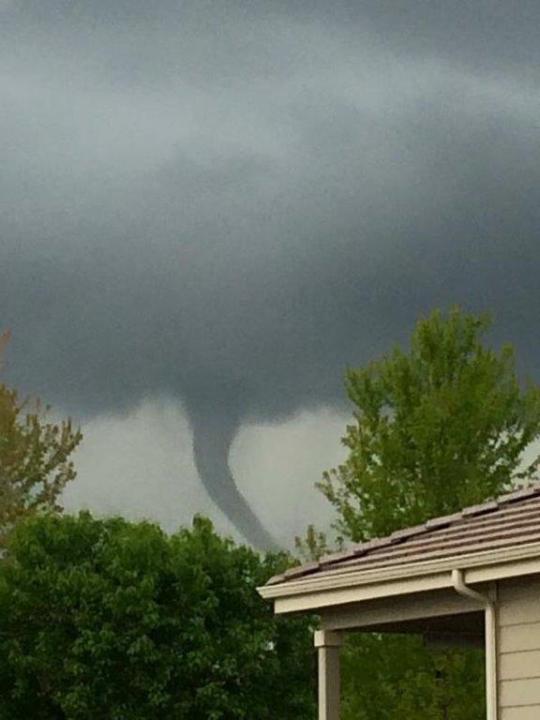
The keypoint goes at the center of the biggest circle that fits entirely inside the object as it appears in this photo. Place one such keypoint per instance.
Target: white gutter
(488, 604)
(496, 558)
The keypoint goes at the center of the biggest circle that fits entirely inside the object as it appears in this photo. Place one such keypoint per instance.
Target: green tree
(387, 677)
(35, 463)
(438, 427)
(116, 620)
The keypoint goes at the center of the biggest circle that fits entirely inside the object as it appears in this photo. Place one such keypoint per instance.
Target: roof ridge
(520, 492)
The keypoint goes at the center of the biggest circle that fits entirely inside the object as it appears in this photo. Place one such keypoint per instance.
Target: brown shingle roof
(508, 521)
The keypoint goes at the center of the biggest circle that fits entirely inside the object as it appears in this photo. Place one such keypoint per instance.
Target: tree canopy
(35, 463)
(117, 620)
(436, 428)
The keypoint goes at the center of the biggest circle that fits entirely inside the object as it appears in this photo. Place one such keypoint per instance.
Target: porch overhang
(441, 580)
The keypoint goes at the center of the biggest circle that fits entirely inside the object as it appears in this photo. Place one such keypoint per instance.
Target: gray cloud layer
(228, 203)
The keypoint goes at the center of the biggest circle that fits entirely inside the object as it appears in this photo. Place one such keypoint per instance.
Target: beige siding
(519, 649)
(520, 665)
(519, 638)
(521, 713)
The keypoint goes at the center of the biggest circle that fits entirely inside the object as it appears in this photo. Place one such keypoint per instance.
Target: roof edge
(315, 585)
(519, 493)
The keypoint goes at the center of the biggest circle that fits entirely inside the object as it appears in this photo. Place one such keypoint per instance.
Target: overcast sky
(209, 209)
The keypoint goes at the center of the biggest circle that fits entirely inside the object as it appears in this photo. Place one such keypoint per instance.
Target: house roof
(509, 521)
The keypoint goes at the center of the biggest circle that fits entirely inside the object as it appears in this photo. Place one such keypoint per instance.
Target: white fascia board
(337, 588)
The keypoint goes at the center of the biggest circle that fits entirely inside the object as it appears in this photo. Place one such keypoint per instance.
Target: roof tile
(443, 521)
(510, 520)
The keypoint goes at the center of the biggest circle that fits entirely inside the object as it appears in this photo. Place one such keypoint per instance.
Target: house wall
(518, 629)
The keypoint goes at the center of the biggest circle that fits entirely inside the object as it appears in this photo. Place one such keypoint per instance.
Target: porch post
(328, 644)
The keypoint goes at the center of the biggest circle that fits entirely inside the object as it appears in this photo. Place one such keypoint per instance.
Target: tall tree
(35, 463)
(440, 426)
(111, 619)
(436, 428)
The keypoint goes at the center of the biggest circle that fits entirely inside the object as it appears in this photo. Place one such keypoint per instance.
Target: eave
(311, 594)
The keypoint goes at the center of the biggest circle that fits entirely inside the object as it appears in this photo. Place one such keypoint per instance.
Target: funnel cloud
(226, 204)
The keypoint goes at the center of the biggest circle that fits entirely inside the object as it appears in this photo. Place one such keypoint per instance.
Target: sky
(209, 210)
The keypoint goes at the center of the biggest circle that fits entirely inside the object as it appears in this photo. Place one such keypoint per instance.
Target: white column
(328, 644)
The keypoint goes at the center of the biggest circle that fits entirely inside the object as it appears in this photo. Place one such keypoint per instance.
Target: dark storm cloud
(230, 202)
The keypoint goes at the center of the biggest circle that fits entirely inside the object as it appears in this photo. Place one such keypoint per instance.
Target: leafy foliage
(394, 676)
(438, 428)
(110, 619)
(313, 545)
(35, 463)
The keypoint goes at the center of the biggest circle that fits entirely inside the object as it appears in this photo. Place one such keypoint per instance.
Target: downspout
(491, 639)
